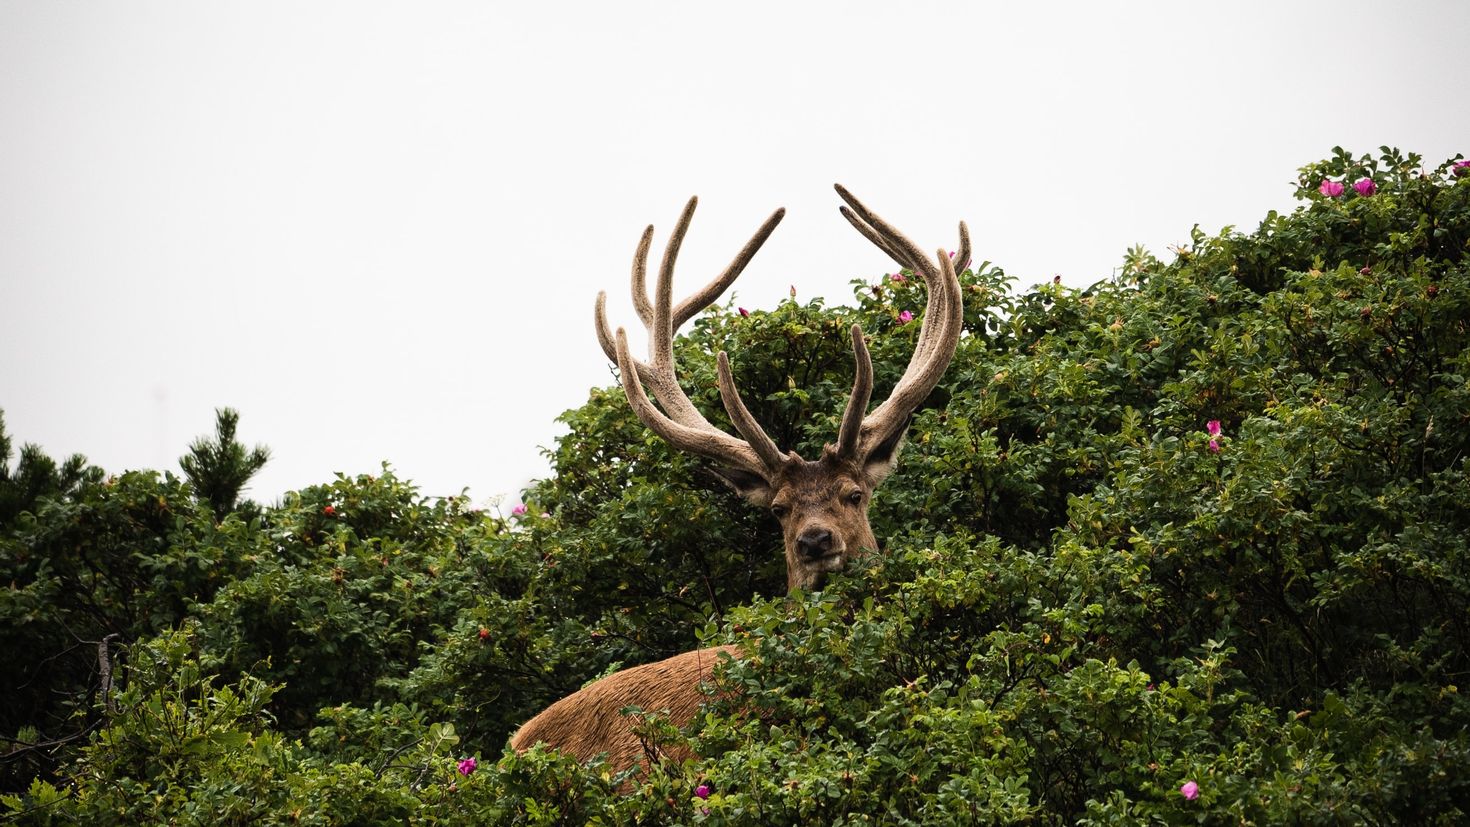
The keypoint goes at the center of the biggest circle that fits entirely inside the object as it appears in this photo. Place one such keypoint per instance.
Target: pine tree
(36, 475)
(219, 468)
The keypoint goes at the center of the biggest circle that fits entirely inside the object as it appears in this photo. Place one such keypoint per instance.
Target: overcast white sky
(378, 229)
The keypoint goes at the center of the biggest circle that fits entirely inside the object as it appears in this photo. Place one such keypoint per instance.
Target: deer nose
(814, 543)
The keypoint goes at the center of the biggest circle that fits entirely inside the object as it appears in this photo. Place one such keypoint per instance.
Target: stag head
(822, 505)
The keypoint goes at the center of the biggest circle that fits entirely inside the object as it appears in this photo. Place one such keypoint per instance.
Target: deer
(822, 504)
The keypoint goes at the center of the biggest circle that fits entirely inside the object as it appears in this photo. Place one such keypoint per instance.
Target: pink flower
(897, 278)
(1365, 187)
(1461, 168)
(467, 766)
(1213, 426)
(519, 510)
(1190, 791)
(743, 312)
(1214, 446)
(1331, 189)
(905, 317)
(702, 791)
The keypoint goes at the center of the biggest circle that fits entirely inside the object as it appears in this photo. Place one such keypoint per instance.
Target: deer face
(822, 507)
(823, 510)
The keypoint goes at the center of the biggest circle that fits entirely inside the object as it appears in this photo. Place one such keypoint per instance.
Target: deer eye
(856, 498)
(780, 511)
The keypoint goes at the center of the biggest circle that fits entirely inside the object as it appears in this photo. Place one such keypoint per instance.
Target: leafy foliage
(1201, 522)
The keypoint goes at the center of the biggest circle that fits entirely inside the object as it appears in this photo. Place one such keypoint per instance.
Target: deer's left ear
(881, 461)
(755, 488)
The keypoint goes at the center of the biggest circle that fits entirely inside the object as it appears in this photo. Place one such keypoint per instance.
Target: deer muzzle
(813, 544)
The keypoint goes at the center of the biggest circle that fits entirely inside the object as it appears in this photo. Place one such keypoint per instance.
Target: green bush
(108, 560)
(1200, 527)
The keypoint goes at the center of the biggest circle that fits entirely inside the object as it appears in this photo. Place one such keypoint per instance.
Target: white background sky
(377, 229)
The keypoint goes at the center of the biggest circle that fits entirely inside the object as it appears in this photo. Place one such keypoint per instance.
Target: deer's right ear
(755, 488)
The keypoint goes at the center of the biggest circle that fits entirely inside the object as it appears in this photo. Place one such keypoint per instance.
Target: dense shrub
(1189, 545)
(112, 560)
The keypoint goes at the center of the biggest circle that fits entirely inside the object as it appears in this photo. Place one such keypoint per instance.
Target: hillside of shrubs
(1190, 545)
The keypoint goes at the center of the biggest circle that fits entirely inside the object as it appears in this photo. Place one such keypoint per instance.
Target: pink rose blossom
(702, 791)
(905, 317)
(897, 278)
(1365, 187)
(1190, 791)
(1214, 446)
(519, 510)
(1213, 426)
(1461, 168)
(743, 312)
(1331, 189)
(467, 766)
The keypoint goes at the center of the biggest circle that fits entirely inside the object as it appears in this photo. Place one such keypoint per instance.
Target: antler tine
(754, 434)
(640, 273)
(940, 328)
(927, 366)
(899, 248)
(662, 376)
(878, 241)
(930, 333)
(604, 334)
(894, 243)
(706, 441)
(691, 306)
(605, 339)
(857, 403)
(962, 258)
(699, 300)
(640, 301)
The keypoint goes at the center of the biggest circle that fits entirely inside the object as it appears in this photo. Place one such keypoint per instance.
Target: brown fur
(590, 722)
(829, 496)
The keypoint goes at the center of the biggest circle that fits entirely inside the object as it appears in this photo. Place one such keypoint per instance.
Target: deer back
(590, 721)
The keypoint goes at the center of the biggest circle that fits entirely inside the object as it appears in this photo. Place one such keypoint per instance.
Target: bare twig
(104, 669)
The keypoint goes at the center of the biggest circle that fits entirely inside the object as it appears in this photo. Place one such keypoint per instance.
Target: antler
(680, 422)
(861, 433)
(938, 336)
